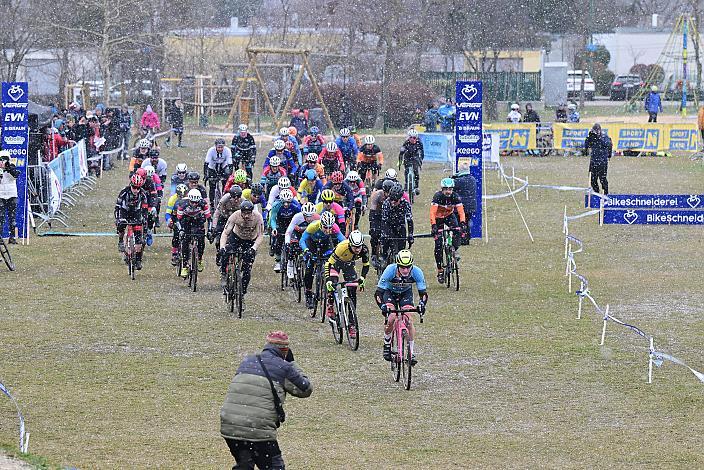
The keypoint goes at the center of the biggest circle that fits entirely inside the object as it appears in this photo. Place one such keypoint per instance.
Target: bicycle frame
(401, 357)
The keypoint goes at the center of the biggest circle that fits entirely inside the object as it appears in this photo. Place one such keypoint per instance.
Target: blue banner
(469, 139)
(15, 136)
(653, 217)
(649, 201)
(436, 147)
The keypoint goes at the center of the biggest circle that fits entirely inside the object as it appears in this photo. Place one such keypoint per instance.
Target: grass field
(119, 374)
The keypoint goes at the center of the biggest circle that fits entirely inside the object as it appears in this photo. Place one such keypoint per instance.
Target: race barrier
(24, 434)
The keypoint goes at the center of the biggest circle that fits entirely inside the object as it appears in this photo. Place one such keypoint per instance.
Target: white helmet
(312, 157)
(344, 132)
(331, 147)
(352, 176)
(181, 168)
(515, 107)
(571, 106)
(279, 145)
(194, 195)
(286, 195)
(654, 88)
(356, 238)
(144, 144)
(243, 128)
(150, 171)
(327, 220)
(284, 182)
(369, 139)
(391, 174)
(274, 161)
(283, 132)
(308, 209)
(412, 133)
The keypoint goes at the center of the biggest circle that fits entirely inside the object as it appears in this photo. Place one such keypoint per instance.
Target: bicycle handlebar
(409, 310)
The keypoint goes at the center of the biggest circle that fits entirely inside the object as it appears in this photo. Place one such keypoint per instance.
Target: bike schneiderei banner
(15, 136)
(469, 140)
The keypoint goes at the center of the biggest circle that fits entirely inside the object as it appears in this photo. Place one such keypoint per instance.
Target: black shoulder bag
(280, 413)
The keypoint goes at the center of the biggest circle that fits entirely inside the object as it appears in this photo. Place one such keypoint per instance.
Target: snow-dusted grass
(113, 373)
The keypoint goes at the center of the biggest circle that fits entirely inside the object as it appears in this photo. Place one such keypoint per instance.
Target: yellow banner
(651, 137)
(514, 136)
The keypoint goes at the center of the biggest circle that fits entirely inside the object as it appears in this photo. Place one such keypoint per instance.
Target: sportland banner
(469, 140)
(651, 137)
(15, 136)
(514, 136)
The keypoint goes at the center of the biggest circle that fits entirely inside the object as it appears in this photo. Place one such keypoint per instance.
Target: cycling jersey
(348, 146)
(393, 217)
(243, 147)
(269, 178)
(132, 207)
(444, 206)
(171, 206)
(287, 161)
(297, 226)
(309, 190)
(231, 182)
(319, 170)
(314, 235)
(176, 180)
(160, 168)
(196, 214)
(313, 144)
(359, 192)
(331, 161)
(412, 152)
(136, 161)
(226, 207)
(370, 154)
(280, 213)
(392, 281)
(216, 161)
(335, 208)
(344, 254)
(274, 195)
(343, 194)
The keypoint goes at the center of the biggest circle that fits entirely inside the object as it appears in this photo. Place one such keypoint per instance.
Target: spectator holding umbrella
(601, 147)
(653, 104)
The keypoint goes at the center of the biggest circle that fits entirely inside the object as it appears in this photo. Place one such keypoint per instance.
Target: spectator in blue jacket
(653, 104)
(601, 147)
(430, 120)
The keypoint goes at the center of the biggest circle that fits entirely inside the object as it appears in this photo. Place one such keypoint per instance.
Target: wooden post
(262, 86)
(291, 95)
(316, 90)
(240, 91)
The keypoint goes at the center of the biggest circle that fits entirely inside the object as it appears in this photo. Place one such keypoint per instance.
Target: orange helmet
(292, 131)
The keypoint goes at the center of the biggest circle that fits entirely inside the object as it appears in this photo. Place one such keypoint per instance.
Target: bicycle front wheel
(131, 256)
(239, 295)
(395, 360)
(298, 279)
(337, 324)
(194, 267)
(456, 271)
(6, 256)
(448, 266)
(231, 285)
(407, 364)
(351, 325)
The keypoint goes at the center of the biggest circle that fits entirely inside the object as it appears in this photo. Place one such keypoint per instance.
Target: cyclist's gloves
(384, 310)
(329, 286)
(434, 229)
(421, 307)
(289, 356)
(360, 282)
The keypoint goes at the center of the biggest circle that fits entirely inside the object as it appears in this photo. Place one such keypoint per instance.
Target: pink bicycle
(401, 352)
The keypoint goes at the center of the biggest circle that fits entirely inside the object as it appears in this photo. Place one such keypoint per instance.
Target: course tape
(24, 434)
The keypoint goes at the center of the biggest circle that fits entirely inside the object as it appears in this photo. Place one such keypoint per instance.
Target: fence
(503, 86)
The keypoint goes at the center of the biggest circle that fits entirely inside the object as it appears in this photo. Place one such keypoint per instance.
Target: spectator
(75, 110)
(561, 112)
(446, 114)
(125, 129)
(531, 115)
(54, 143)
(253, 407)
(601, 147)
(175, 118)
(150, 121)
(514, 116)
(94, 143)
(572, 113)
(300, 123)
(8, 194)
(417, 116)
(653, 104)
(466, 189)
(430, 120)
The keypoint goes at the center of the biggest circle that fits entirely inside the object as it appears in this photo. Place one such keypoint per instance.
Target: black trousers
(9, 205)
(652, 117)
(262, 454)
(599, 175)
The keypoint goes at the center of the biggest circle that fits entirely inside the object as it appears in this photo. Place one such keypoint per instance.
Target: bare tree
(19, 36)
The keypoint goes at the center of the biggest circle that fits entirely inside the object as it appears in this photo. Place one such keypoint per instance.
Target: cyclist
(343, 192)
(153, 178)
(281, 184)
(355, 136)
(310, 187)
(359, 193)
(132, 207)
(342, 260)
(238, 178)
(318, 237)
(191, 219)
(395, 216)
(412, 155)
(313, 142)
(327, 204)
(140, 154)
(290, 141)
(256, 194)
(286, 159)
(158, 163)
(244, 232)
(348, 147)
(311, 164)
(177, 198)
(180, 177)
(280, 217)
(244, 149)
(370, 159)
(294, 231)
(395, 288)
(376, 202)
(227, 206)
(444, 211)
(271, 174)
(390, 174)
(331, 159)
(217, 166)
(292, 137)
(194, 183)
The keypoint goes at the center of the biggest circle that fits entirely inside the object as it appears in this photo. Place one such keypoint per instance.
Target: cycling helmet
(337, 177)
(356, 238)
(396, 192)
(312, 157)
(387, 185)
(240, 176)
(144, 144)
(391, 174)
(247, 206)
(353, 176)
(141, 172)
(247, 194)
(308, 209)
(243, 128)
(181, 168)
(283, 132)
(279, 145)
(404, 258)
(274, 161)
(284, 182)
(193, 176)
(257, 189)
(219, 141)
(181, 190)
(311, 174)
(136, 180)
(150, 171)
(314, 131)
(447, 183)
(292, 131)
(286, 195)
(369, 139)
(412, 133)
(194, 195)
(154, 153)
(290, 145)
(235, 191)
(344, 132)
(331, 147)
(328, 195)
(327, 220)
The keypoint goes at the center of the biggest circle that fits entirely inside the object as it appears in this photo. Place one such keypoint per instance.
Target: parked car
(574, 84)
(625, 86)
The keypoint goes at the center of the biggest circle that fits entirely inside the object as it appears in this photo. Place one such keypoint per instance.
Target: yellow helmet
(328, 195)
(247, 194)
(404, 258)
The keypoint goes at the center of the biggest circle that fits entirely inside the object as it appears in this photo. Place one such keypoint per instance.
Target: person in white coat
(8, 194)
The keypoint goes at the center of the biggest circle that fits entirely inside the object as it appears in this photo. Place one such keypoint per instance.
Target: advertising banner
(469, 140)
(15, 136)
(649, 201)
(514, 136)
(653, 217)
(437, 147)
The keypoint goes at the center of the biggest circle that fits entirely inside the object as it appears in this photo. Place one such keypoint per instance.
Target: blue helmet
(314, 130)
(311, 174)
(447, 183)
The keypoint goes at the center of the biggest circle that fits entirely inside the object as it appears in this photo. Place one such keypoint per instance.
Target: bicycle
(319, 282)
(234, 297)
(284, 267)
(384, 261)
(130, 254)
(299, 267)
(192, 276)
(410, 182)
(182, 263)
(7, 258)
(371, 173)
(345, 316)
(451, 269)
(401, 353)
